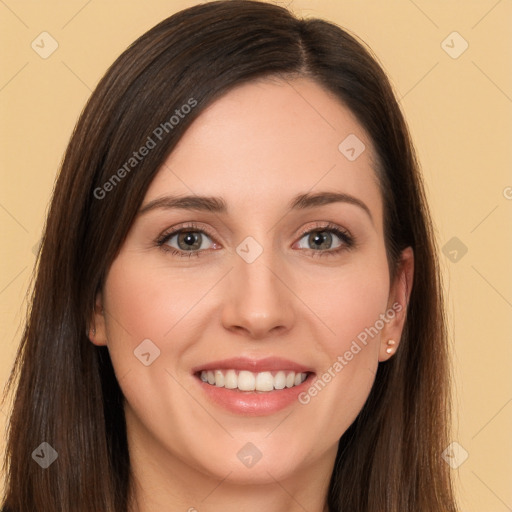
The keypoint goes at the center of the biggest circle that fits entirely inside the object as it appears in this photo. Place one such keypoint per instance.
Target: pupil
(321, 240)
(189, 241)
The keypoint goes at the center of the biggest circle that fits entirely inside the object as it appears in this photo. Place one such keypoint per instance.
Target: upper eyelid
(329, 226)
(169, 233)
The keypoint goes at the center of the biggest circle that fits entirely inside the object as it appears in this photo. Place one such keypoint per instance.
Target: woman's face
(280, 274)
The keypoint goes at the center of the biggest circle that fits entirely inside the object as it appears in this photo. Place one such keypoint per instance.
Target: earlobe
(97, 331)
(398, 302)
(391, 346)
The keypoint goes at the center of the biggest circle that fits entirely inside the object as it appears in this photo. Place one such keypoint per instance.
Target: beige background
(459, 111)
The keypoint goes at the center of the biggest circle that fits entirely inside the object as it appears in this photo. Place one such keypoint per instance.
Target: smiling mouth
(243, 380)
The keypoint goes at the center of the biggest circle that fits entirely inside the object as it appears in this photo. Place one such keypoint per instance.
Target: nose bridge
(257, 300)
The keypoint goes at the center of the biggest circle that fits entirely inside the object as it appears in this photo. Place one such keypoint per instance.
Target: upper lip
(254, 365)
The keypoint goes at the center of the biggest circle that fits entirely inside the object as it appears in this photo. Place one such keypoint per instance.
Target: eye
(327, 239)
(189, 240)
(186, 240)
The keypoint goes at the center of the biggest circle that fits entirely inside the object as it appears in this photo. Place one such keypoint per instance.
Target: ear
(97, 331)
(400, 292)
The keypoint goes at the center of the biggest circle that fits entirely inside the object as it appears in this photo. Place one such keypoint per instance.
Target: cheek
(350, 302)
(352, 306)
(143, 302)
(362, 301)
(146, 301)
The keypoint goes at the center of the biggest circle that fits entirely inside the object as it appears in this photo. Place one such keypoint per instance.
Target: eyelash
(348, 241)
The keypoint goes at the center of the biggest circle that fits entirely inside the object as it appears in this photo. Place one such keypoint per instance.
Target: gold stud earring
(390, 348)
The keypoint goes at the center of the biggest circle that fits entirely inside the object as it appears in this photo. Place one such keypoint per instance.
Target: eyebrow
(303, 201)
(218, 205)
(199, 203)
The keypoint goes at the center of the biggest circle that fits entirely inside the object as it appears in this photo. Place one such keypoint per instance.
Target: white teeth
(264, 381)
(249, 381)
(280, 380)
(246, 381)
(219, 379)
(231, 379)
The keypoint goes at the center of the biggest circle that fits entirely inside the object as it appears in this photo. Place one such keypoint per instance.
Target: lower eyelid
(182, 254)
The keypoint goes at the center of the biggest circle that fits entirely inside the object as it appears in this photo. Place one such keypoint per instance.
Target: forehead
(268, 140)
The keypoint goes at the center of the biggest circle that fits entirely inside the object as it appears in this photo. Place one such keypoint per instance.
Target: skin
(256, 147)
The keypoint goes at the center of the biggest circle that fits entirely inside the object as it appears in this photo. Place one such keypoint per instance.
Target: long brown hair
(389, 460)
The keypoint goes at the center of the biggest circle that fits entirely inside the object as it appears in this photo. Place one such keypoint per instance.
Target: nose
(258, 302)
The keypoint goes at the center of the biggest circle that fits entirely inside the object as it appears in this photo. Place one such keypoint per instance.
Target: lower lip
(254, 403)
